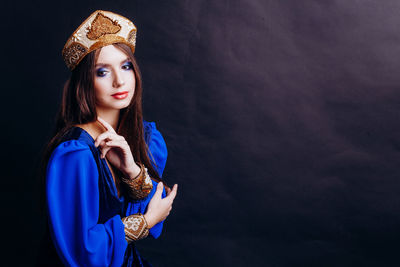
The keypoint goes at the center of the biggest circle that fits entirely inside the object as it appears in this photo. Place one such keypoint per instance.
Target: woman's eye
(127, 66)
(101, 72)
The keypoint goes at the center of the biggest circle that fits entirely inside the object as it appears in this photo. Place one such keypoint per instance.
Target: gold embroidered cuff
(140, 186)
(135, 227)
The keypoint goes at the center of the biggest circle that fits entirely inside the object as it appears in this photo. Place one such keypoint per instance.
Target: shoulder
(148, 129)
(76, 142)
(151, 131)
(157, 148)
(91, 128)
(71, 150)
(72, 145)
(71, 165)
(153, 137)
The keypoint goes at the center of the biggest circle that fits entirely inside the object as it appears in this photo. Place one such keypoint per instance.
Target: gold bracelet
(140, 186)
(141, 166)
(135, 227)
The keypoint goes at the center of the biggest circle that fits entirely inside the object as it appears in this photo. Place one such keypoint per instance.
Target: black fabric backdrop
(281, 120)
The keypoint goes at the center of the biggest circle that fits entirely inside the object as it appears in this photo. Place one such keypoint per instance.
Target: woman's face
(114, 79)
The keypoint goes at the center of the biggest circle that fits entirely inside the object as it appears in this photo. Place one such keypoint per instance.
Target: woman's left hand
(117, 150)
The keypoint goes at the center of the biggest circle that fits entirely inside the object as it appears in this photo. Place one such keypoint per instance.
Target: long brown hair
(78, 106)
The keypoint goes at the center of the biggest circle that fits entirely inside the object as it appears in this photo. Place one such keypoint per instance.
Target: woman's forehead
(110, 55)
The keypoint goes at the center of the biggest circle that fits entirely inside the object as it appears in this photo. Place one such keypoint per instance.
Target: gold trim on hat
(100, 29)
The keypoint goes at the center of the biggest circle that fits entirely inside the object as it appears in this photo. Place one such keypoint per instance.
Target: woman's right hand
(159, 208)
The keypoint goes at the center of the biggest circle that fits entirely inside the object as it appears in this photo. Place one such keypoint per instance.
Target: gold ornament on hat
(102, 25)
(100, 29)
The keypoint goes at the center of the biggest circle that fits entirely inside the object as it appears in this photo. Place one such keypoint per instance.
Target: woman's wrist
(138, 186)
(149, 220)
(133, 172)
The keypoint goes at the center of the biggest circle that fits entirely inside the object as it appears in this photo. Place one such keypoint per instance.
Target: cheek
(101, 86)
(100, 90)
(130, 80)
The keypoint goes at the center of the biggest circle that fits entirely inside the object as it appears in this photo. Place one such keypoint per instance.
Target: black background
(281, 119)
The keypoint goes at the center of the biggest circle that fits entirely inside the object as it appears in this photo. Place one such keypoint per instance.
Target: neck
(110, 115)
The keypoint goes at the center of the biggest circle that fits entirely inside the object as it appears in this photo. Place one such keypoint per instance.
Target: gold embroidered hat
(100, 29)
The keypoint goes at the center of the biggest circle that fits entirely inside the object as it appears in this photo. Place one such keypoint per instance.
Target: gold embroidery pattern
(73, 54)
(102, 25)
(100, 29)
(140, 186)
(135, 227)
(132, 37)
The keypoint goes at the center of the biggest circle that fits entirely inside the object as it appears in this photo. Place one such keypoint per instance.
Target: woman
(99, 195)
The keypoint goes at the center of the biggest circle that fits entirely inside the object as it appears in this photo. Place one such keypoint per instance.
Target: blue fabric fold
(141, 207)
(73, 209)
(157, 147)
(84, 210)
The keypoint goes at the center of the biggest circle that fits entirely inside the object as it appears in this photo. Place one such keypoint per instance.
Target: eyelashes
(127, 66)
(101, 72)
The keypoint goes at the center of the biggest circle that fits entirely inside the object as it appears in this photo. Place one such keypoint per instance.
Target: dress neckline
(105, 163)
(86, 133)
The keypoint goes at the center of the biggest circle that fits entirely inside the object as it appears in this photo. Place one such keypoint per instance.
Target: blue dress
(84, 210)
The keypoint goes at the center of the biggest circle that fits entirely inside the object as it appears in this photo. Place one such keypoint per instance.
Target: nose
(118, 81)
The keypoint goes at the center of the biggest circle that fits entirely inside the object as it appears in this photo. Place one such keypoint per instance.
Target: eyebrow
(105, 64)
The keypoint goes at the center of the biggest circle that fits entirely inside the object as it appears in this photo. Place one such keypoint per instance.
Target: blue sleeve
(141, 207)
(157, 147)
(158, 155)
(73, 209)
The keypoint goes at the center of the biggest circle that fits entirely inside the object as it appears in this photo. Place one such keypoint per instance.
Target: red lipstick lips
(120, 95)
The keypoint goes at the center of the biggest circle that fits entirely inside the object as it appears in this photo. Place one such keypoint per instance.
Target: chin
(116, 106)
(122, 105)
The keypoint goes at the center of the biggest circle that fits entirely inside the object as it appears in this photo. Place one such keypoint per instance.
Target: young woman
(104, 162)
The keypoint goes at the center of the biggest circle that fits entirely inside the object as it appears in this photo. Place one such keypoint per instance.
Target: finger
(117, 143)
(102, 144)
(107, 135)
(106, 146)
(159, 189)
(106, 125)
(104, 151)
(102, 147)
(100, 139)
(172, 195)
